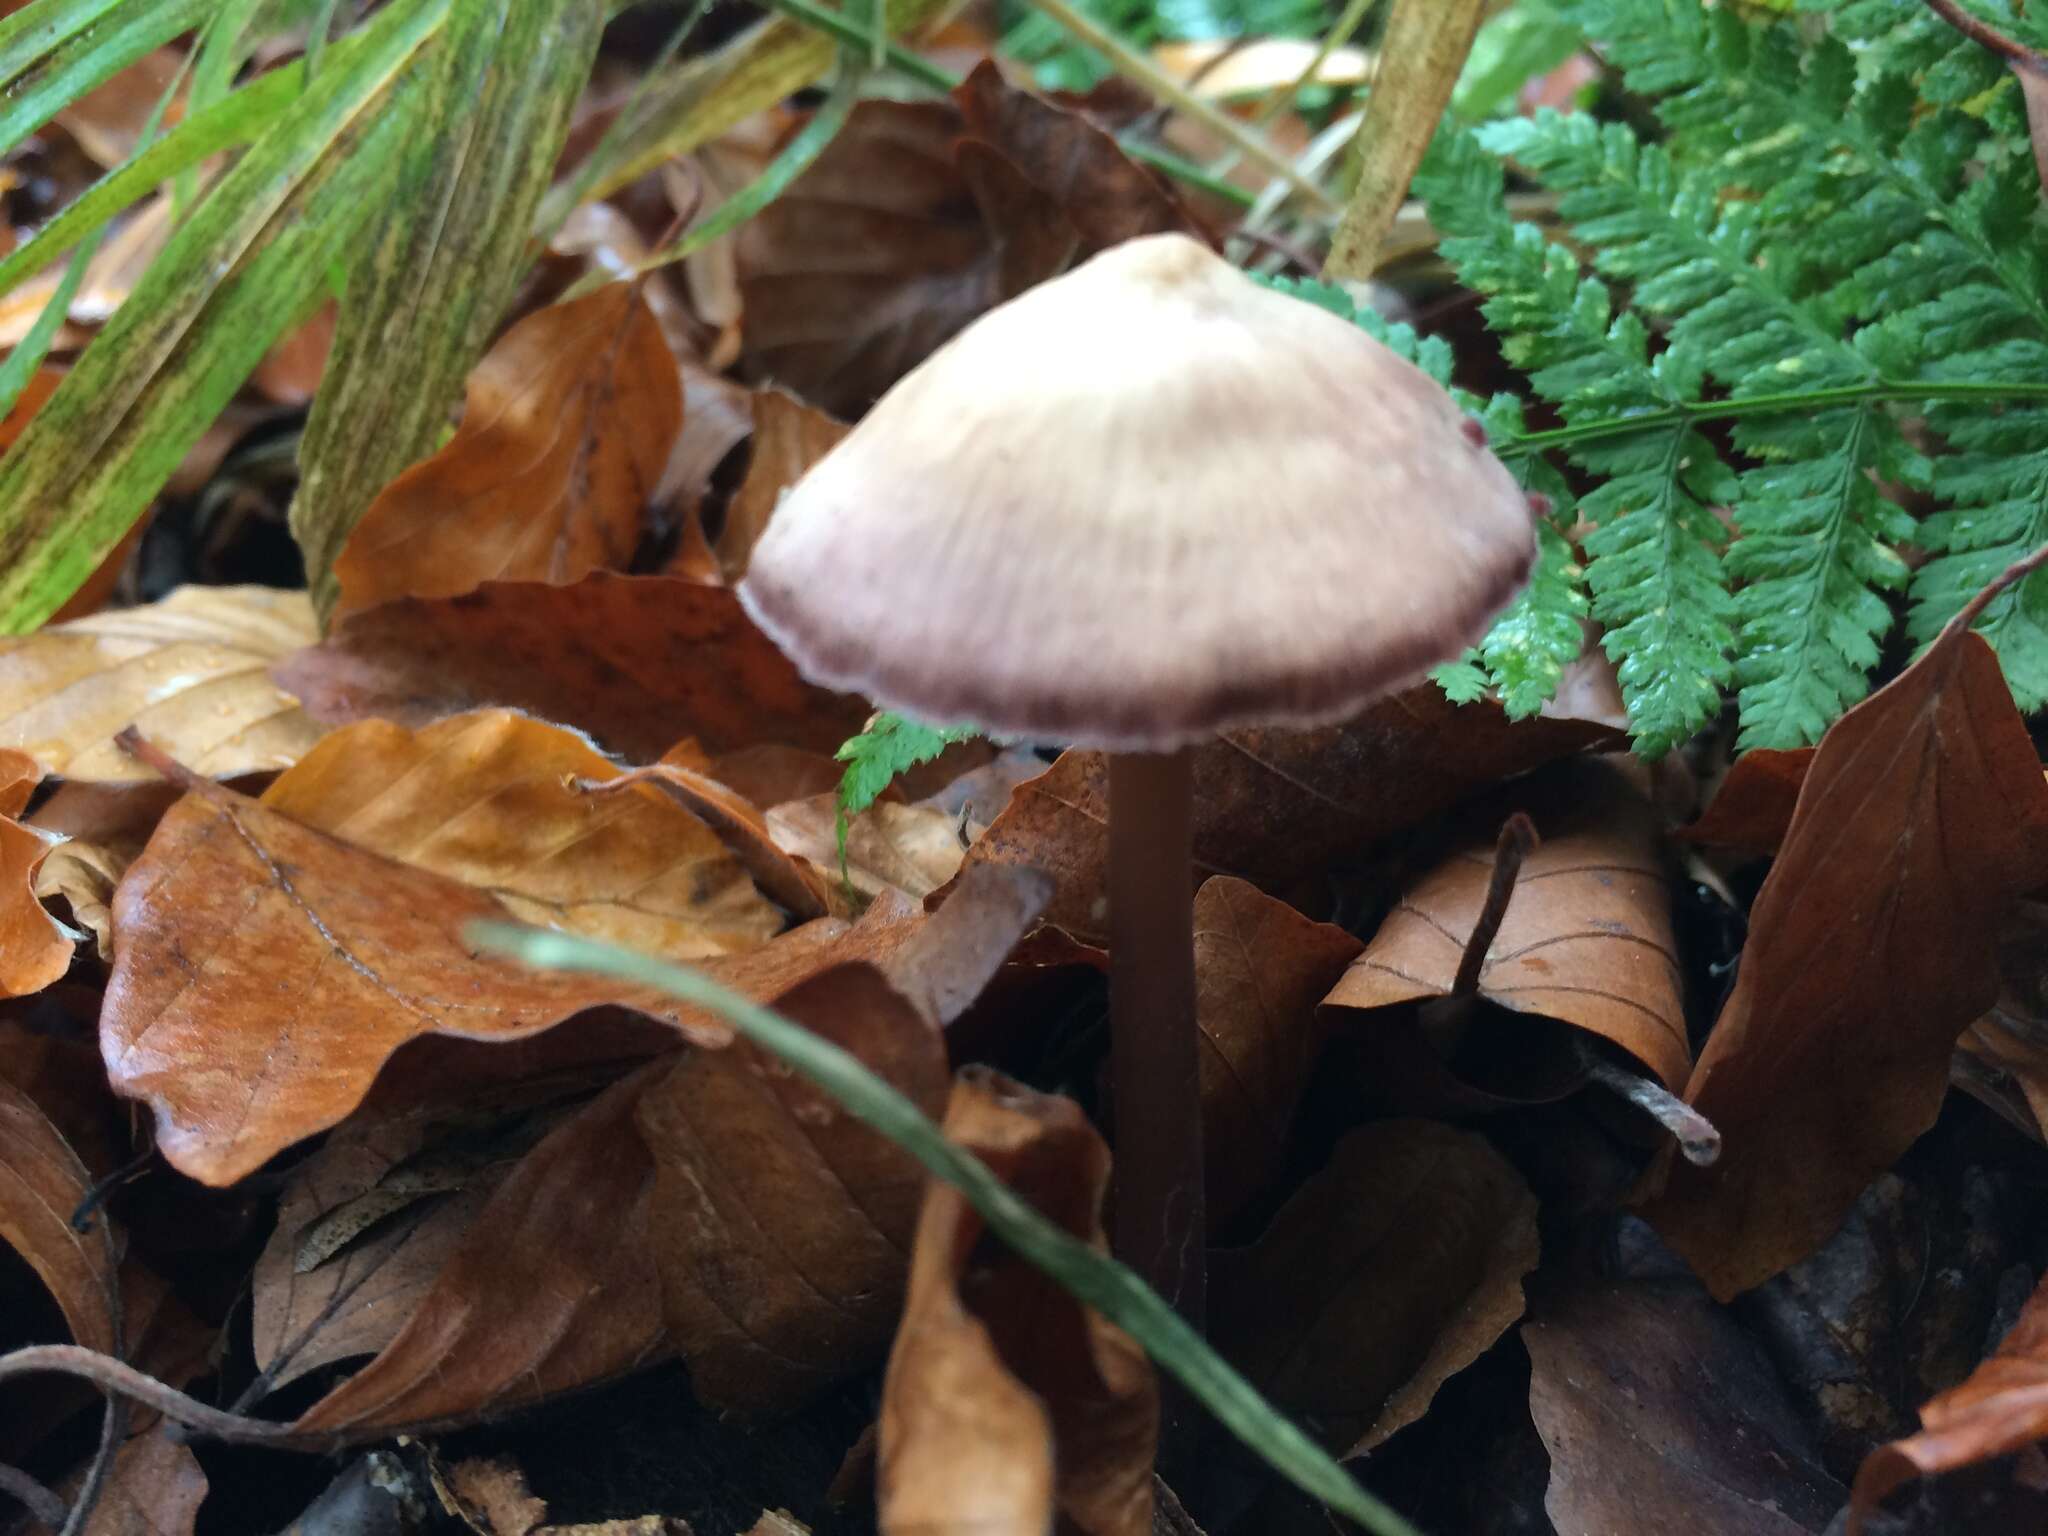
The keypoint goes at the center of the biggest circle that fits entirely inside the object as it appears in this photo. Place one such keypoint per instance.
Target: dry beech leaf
(83, 876)
(914, 849)
(640, 662)
(789, 437)
(291, 371)
(568, 426)
(1872, 946)
(154, 1488)
(35, 950)
(191, 672)
(1587, 935)
(1273, 806)
(1006, 1400)
(2000, 1409)
(551, 1288)
(41, 1184)
(108, 121)
(1753, 807)
(1260, 969)
(781, 1226)
(490, 799)
(881, 251)
(1660, 1412)
(1392, 1269)
(792, 883)
(264, 972)
(363, 1227)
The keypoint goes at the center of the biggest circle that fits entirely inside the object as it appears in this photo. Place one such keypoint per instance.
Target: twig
(1694, 1132)
(33, 1496)
(1984, 35)
(124, 1380)
(1973, 610)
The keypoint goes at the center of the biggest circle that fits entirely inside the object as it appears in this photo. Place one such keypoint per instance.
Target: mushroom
(1138, 505)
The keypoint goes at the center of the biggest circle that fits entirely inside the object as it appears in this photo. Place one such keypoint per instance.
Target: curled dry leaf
(265, 972)
(34, 948)
(782, 1226)
(1006, 1400)
(2004, 1054)
(83, 876)
(2002, 1408)
(552, 1288)
(789, 437)
(640, 662)
(42, 1182)
(568, 426)
(1753, 807)
(1392, 1269)
(1273, 806)
(914, 849)
(1586, 937)
(1872, 947)
(1260, 969)
(1660, 1412)
(489, 799)
(191, 672)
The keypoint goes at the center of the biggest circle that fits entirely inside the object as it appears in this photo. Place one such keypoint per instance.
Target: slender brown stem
(1517, 841)
(1155, 1061)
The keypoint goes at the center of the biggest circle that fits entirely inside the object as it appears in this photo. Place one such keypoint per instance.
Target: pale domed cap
(1139, 504)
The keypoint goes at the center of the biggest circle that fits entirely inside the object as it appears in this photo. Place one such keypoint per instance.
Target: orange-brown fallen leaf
(491, 799)
(640, 662)
(1872, 946)
(914, 849)
(2002, 1408)
(1260, 969)
(1586, 937)
(1662, 1413)
(1273, 806)
(789, 437)
(264, 973)
(781, 1226)
(1391, 1270)
(42, 1182)
(34, 949)
(552, 1288)
(1007, 1401)
(569, 423)
(191, 672)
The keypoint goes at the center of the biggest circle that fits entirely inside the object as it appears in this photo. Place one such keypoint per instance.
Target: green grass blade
(38, 87)
(1102, 1283)
(100, 448)
(43, 27)
(240, 119)
(445, 258)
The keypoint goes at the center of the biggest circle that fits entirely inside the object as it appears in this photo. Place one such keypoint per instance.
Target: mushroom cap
(1139, 504)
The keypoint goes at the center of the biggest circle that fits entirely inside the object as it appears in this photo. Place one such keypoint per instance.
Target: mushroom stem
(1155, 1062)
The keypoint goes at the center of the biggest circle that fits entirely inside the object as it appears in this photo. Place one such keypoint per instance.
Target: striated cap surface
(1139, 504)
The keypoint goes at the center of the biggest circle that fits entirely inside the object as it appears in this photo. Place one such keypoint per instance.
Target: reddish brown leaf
(638, 661)
(41, 1184)
(782, 1226)
(1390, 1271)
(1273, 806)
(1753, 807)
(265, 972)
(1260, 969)
(290, 372)
(552, 1288)
(568, 426)
(789, 437)
(1587, 934)
(881, 251)
(1872, 946)
(2002, 1408)
(34, 948)
(1006, 1400)
(491, 799)
(1661, 1413)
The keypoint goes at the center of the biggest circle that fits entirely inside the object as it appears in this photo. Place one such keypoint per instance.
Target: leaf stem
(1100, 1282)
